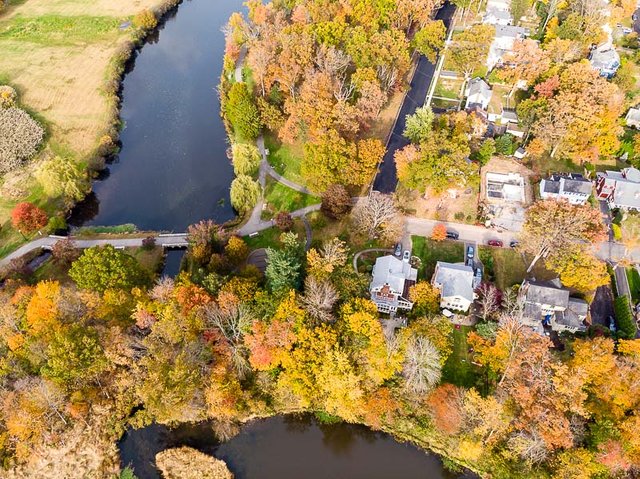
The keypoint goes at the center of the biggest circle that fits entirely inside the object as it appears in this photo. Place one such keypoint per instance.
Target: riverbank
(71, 82)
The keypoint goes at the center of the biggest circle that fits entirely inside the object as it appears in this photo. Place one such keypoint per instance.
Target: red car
(497, 243)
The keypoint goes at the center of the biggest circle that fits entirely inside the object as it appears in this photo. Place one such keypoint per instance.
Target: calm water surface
(290, 447)
(172, 170)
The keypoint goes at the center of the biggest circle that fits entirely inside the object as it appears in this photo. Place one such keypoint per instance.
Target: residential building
(505, 187)
(392, 278)
(549, 304)
(455, 283)
(605, 60)
(495, 16)
(572, 187)
(478, 94)
(506, 35)
(621, 189)
(633, 118)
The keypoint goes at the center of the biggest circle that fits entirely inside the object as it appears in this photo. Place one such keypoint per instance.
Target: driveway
(386, 179)
(622, 283)
(602, 306)
(468, 233)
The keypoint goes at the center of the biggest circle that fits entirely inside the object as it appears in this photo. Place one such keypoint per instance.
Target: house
(495, 16)
(515, 130)
(478, 94)
(390, 284)
(549, 304)
(505, 187)
(621, 189)
(506, 35)
(605, 60)
(573, 187)
(633, 118)
(455, 283)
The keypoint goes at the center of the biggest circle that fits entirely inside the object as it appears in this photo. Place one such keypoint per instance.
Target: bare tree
(319, 298)
(529, 446)
(489, 300)
(332, 61)
(374, 213)
(421, 370)
(231, 319)
(162, 290)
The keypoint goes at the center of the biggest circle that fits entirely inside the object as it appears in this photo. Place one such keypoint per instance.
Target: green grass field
(282, 198)
(285, 159)
(458, 369)
(506, 267)
(430, 252)
(59, 29)
(634, 283)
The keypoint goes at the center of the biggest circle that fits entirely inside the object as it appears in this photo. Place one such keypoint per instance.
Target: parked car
(398, 250)
(627, 30)
(407, 255)
(497, 243)
(471, 252)
(452, 235)
(513, 243)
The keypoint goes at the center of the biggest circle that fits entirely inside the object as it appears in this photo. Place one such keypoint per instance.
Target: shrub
(65, 251)
(485, 151)
(624, 319)
(103, 267)
(27, 218)
(8, 95)
(245, 193)
(617, 231)
(245, 158)
(62, 177)
(283, 221)
(145, 20)
(20, 136)
(148, 243)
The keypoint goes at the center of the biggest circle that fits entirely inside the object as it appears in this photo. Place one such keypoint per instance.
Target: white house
(605, 60)
(548, 304)
(633, 118)
(455, 283)
(621, 189)
(494, 16)
(505, 187)
(573, 187)
(390, 284)
(478, 94)
(506, 35)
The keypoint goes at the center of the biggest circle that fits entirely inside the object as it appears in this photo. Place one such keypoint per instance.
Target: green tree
(418, 126)
(627, 328)
(62, 177)
(245, 193)
(505, 144)
(104, 267)
(246, 158)
(429, 40)
(75, 356)
(484, 153)
(284, 264)
(241, 111)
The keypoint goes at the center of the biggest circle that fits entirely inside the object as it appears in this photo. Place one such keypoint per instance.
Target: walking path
(356, 257)
(47, 242)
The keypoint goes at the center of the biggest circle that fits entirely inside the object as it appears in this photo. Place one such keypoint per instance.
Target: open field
(279, 197)
(61, 55)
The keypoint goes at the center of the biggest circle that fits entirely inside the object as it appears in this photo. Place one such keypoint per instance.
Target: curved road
(386, 179)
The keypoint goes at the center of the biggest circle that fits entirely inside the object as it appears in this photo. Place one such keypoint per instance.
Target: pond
(172, 169)
(290, 447)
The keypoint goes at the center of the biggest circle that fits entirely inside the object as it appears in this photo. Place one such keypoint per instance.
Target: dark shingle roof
(551, 186)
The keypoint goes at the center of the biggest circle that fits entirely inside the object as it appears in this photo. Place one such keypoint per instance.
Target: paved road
(386, 179)
(622, 282)
(47, 242)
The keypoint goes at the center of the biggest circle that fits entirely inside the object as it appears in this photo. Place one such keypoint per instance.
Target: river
(289, 447)
(172, 169)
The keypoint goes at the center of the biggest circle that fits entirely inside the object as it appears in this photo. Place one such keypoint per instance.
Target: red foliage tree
(439, 232)
(27, 218)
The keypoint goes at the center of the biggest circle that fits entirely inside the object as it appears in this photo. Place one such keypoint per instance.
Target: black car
(452, 235)
(513, 243)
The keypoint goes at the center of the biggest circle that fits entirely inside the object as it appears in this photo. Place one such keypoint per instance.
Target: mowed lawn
(430, 252)
(459, 369)
(282, 198)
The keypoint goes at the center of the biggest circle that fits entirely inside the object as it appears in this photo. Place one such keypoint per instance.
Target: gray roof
(605, 58)
(542, 293)
(551, 186)
(627, 194)
(456, 279)
(510, 31)
(575, 314)
(478, 93)
(633, 116)
(582, 186)
(392, 271)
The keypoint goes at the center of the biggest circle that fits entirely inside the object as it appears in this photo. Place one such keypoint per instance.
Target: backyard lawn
(506, 267)
(282, 198)
(458, 369)
(634, 283)
(430, 252)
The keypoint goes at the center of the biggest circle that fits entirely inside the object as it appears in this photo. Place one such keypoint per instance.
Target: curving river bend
(173, 171)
